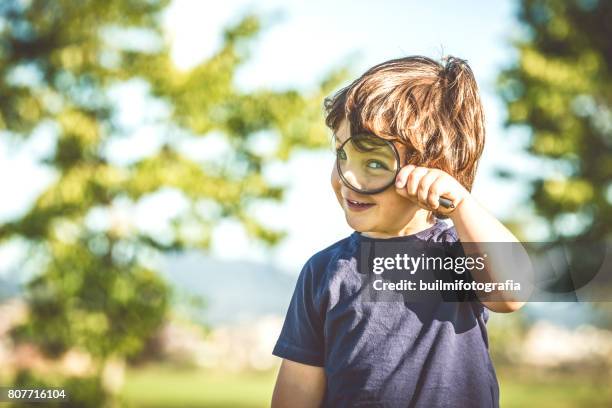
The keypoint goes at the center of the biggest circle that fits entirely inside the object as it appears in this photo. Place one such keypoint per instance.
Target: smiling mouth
(358, 205)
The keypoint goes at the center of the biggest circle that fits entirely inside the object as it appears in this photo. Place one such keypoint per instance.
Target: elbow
(504, 307)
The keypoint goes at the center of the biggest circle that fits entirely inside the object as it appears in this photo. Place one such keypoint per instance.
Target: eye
(375, 164)
(341, 154)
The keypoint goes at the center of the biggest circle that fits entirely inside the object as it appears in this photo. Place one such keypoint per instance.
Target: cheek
(390, 200)
(335, 181)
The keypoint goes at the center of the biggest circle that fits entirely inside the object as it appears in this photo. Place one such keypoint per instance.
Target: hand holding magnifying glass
(369, 164)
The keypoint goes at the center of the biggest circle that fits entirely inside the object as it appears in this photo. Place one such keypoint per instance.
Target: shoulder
(443, 232)
(324, 257)
(323, 263)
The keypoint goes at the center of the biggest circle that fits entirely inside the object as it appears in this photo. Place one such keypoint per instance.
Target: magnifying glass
(369, 164)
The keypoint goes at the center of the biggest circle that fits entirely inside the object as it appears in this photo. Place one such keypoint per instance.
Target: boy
(340, 351)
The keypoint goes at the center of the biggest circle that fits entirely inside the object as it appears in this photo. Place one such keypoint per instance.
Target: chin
(357, 225)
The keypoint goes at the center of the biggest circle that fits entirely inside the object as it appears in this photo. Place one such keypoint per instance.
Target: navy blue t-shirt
(387, 354)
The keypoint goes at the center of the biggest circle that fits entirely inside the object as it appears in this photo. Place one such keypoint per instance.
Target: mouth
(358, 205)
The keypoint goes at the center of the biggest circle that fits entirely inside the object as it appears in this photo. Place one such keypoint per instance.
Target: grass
(521, 389)
(161, 386)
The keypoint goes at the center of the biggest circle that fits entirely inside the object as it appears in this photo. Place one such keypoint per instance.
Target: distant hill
(234, 291)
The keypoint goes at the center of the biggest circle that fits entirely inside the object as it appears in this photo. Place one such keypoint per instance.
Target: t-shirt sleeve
(301, 338)
(455, 250)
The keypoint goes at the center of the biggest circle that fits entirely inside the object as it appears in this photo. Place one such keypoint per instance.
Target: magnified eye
(341, 154)
(375, 164)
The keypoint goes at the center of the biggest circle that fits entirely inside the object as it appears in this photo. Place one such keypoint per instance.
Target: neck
(421, 220)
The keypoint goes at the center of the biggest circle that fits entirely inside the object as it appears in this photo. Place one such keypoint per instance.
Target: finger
(424, 187)
(435, 191)
(440, 186)
(402, 176)
(412, 184)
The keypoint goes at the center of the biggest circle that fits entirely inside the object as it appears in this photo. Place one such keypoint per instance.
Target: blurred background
(165, 175)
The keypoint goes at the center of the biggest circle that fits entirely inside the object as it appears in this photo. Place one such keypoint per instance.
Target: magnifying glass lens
(367, 164)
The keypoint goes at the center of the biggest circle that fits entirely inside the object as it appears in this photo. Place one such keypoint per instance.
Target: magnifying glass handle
(446, 203)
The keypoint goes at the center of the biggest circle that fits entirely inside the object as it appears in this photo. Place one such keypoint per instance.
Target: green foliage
(506, 333)
(59, 61)
(94, 297)
(561, 88)
(79, 391)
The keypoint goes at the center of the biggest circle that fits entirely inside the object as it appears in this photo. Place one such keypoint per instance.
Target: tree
(561, 89)
(59, 62)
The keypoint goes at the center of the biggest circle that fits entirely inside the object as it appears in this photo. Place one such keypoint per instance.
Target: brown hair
(433, 109)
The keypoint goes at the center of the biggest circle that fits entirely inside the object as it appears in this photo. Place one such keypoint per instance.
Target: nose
(350, 178)
(341, 189)
(338, 183)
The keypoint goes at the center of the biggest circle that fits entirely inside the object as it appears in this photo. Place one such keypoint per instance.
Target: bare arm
(298, 386)
(476, 225)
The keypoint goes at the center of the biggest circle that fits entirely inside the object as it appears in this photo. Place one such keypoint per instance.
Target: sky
(303, 41)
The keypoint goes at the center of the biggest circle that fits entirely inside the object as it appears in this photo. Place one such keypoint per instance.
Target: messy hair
(432, 107)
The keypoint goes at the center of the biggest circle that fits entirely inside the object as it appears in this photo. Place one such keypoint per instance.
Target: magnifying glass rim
(378, 190)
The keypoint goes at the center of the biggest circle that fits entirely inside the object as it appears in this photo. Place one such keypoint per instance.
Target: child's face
(383, 214)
